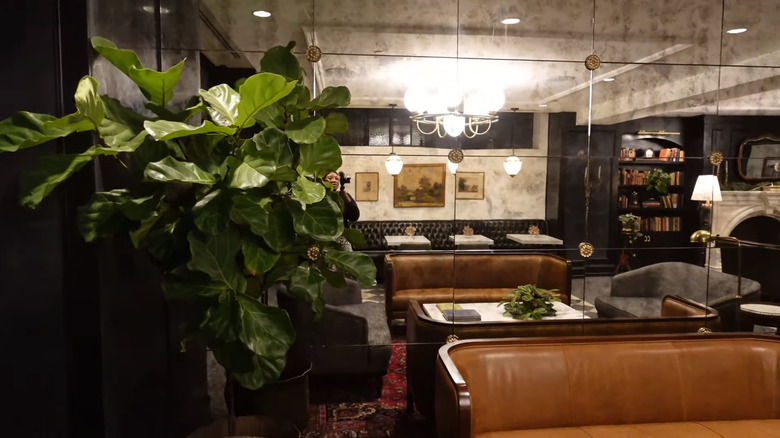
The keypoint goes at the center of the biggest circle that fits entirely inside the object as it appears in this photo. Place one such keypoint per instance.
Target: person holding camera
(351, 211)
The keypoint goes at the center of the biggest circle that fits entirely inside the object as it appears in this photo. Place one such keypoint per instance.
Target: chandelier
(446, 110)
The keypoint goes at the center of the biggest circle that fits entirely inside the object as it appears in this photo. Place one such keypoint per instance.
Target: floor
(583, 295)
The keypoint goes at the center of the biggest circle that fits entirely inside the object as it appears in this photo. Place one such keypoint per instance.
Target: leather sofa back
(430, 277)
(597, 381)
(425, 335)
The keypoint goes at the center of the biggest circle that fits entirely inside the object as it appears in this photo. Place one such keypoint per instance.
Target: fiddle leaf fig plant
(226, 195)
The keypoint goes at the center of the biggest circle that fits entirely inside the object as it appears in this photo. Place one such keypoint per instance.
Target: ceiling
(668, 57)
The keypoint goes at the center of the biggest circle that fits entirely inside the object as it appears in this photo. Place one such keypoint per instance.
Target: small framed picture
(366, 186)
(470, 185)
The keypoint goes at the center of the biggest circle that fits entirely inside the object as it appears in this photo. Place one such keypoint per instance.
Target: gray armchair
(351, 338)
(639, 293)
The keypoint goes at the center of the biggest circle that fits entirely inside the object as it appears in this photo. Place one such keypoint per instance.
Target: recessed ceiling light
(261, 14)
(736, 30)
(510, 21)
(609, 79)
(543, 105)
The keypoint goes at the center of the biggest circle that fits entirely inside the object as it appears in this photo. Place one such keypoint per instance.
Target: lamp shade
(707, 188)
(394, 164)
(512, 165)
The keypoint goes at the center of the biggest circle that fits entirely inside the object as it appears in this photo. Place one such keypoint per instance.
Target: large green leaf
(322, 220)
(223, 320)
(249, 209)
(355, 237)
(282, 61)
(246, 177)
(336, 123)
(118, 135)
(331, 97)
(102, 215)
(259, 91)
(257, 258)
(265, 330)
(88, 102)
(122, 114)
(306, 283)
(263, 157)
(280, 234)
(224, 100)
(164, 130)
(169, 169)
(356, 263)
(178, 289)
(212, 212)
(321, 157)
(24, 129)
(156, 86)
(217, 258)
(307, 130)
(308, 192)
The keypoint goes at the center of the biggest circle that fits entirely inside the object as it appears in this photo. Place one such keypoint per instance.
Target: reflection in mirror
(759, 159)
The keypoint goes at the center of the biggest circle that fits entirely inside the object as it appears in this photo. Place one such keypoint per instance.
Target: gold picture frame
(367, 186)
(470, 185)
(420, 185)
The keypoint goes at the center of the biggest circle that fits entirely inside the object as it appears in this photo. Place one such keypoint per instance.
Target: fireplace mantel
(737, 206)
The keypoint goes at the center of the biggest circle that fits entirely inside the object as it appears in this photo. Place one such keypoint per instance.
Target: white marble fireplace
(736, 207)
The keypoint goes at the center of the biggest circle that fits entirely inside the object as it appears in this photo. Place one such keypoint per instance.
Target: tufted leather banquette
(701, 385)
(464, 278)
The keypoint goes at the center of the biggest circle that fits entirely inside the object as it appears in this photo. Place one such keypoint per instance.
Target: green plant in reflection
(529, 302)
(227, 205)
(659, 181)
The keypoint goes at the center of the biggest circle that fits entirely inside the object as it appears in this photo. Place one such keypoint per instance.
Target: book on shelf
(461, 315)
(661, 223)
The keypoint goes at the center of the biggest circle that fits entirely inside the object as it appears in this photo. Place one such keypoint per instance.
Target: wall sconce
(452, 167)
(394, 163)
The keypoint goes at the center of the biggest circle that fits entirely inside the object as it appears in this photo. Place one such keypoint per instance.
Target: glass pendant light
(394, 163)
(512, 164)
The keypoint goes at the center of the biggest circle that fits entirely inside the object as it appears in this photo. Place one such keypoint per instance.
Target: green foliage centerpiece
(658, 180)
(224, 195)
(529, 302)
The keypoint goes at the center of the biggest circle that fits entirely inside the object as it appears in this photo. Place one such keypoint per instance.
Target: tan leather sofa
(424, 336)
(464, 278)
(703, 385)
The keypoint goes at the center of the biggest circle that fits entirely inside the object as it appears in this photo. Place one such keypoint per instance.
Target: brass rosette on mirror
(314, 253)
(715, 158)
(452, 338)
(455, 155)
(586, 249)
(704, 330)
(592, 62)
(313, 53)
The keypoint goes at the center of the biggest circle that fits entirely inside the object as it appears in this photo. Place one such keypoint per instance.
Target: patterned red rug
(384, 417)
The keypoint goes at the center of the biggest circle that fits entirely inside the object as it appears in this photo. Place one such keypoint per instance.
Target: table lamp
(707, 189)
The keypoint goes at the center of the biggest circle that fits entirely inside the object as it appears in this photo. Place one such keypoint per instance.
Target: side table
(759, 317)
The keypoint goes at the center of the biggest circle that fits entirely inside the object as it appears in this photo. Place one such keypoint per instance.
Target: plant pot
(287, 398)
(249, 426)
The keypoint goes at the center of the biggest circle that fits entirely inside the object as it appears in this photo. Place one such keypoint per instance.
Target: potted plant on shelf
(659, 181)
(529, 302)
(227, 206)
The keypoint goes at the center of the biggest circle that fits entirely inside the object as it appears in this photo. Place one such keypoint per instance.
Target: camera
(344, 179)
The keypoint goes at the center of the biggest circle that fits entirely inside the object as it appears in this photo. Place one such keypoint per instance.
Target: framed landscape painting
(366, 186)
(470, 185)
(420, 185)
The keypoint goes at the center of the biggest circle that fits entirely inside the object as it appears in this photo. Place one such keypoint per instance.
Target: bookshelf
(661, 212)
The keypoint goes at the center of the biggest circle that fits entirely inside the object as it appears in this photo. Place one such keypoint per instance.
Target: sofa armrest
(677, 306)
